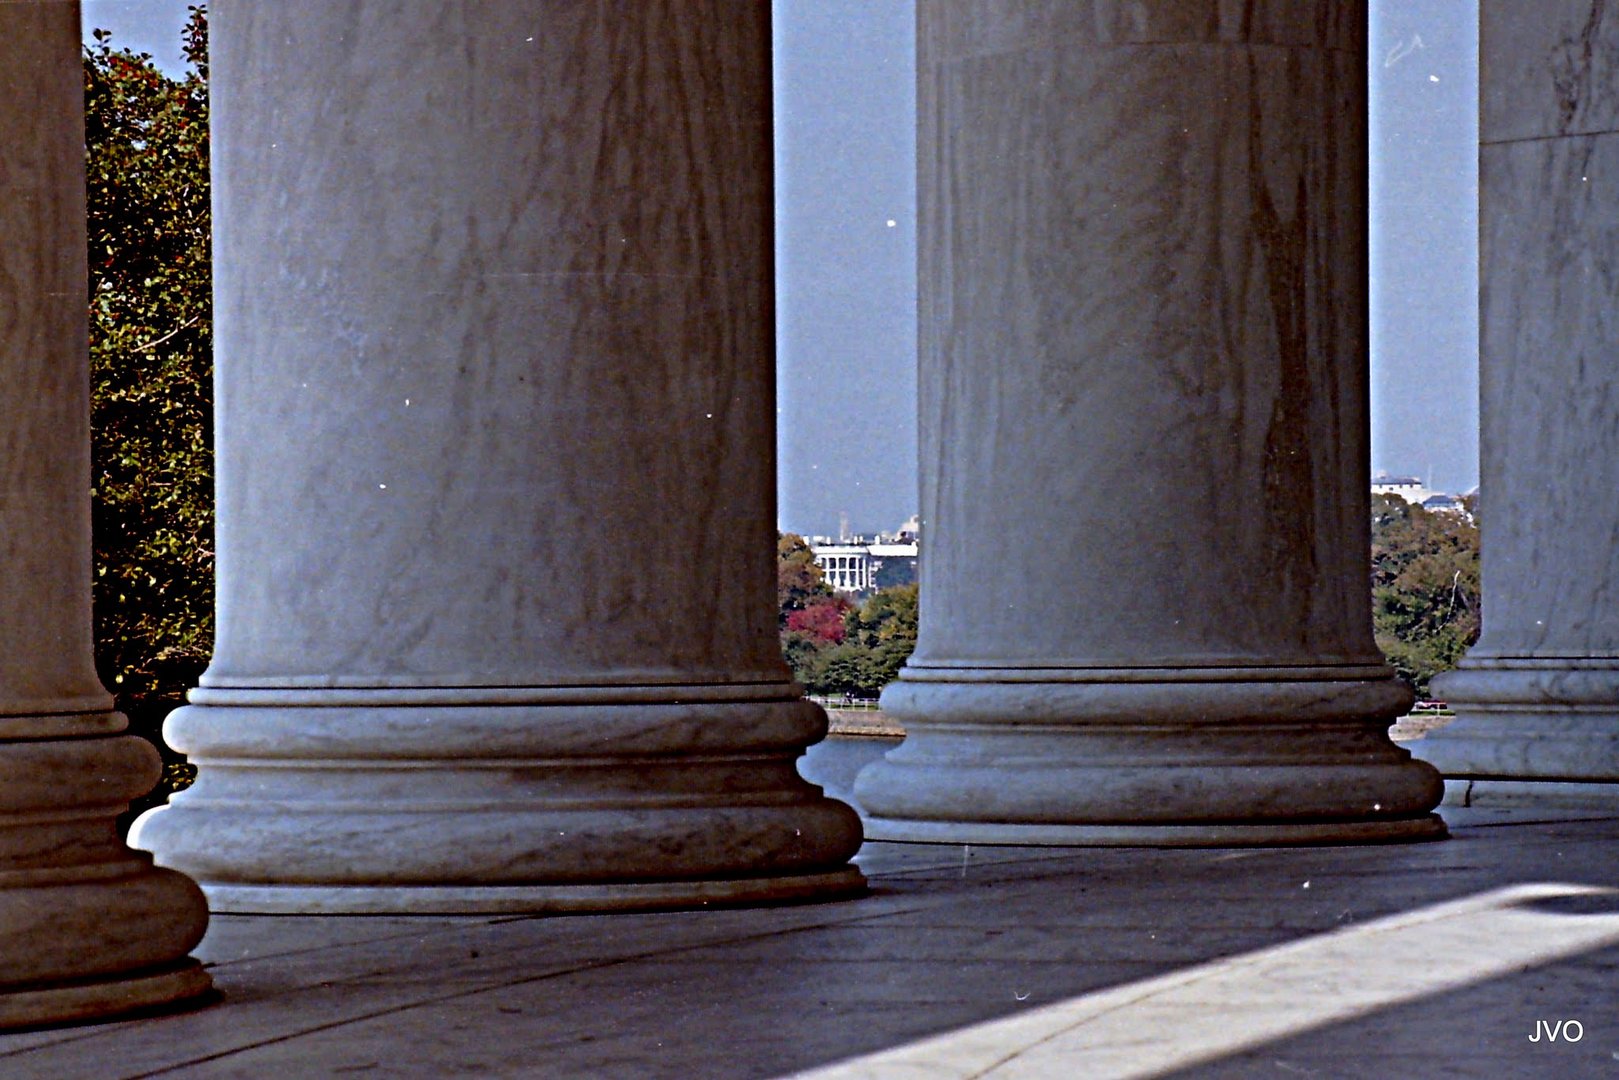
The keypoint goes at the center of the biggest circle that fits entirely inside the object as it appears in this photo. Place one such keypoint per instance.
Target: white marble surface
(496, 479)
(1549, 68)
(1550, 410)
(1144, 434)
(1538, 697)
(1137, 358)
(88, 928)
(493, 310)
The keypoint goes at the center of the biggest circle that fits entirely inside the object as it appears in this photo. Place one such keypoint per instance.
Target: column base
(1534, 796)
(1427, 827)
(531, 899)
(1526, 725)
(89, 929)
(477, 800)
(1153, 757)
(183, 985)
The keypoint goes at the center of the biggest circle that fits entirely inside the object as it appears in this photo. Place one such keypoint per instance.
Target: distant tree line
(1425, 605)
(1425, 586)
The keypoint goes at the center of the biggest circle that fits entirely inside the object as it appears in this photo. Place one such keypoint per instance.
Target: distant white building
(1409, 488)
(1444, 504)
(853, 563)
(1413, 491)
(846, 567)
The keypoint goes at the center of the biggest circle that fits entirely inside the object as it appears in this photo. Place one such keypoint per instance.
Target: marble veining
(515, 362)
(1548, 69)
(1550, 392)
(1143, 376)
(1165, 369)
(497, 628)
(1537, 698)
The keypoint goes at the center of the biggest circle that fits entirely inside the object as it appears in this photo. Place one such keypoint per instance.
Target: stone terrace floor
(1428, 960)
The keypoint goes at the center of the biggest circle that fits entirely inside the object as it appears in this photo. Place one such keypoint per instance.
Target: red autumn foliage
(822, 619)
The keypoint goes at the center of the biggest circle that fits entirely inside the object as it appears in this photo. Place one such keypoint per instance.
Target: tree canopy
(833, 645)
(1425, 586)
(799, 581)
(146, 143)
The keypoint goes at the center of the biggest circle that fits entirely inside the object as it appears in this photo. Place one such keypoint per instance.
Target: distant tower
(843, 527)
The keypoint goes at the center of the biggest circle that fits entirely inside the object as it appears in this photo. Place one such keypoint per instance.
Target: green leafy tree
(146, 140)
(887, 616)
(861, 654)
(877, 638)
(1425, 587)
(799, 581)
(806, 655)
(846, 669)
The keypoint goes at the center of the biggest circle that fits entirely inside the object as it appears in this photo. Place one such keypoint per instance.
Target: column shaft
(88, 928)
(495, 469)
(1537, 698)
(1145, 613)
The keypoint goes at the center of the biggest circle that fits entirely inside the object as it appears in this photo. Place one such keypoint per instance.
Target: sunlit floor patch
(1202, 1013)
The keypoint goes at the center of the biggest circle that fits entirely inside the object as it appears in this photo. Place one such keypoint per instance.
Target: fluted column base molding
(1174, 757)
(502, 799)
(1533, 795)
(531, 899)
(89, 929)
(1529, 733)
(105, 999)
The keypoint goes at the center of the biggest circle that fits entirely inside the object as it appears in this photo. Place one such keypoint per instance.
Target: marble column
(1537, 698)
(88, 928)
(1145, 612)
(497, 625)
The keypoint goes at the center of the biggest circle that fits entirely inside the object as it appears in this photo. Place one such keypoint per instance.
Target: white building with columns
(854, 563)
(1143, 269)
(846, 567)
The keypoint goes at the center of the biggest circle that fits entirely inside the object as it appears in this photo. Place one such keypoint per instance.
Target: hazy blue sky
(148, 26)
(845, 263)
(1425, 240)
(846, 245)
